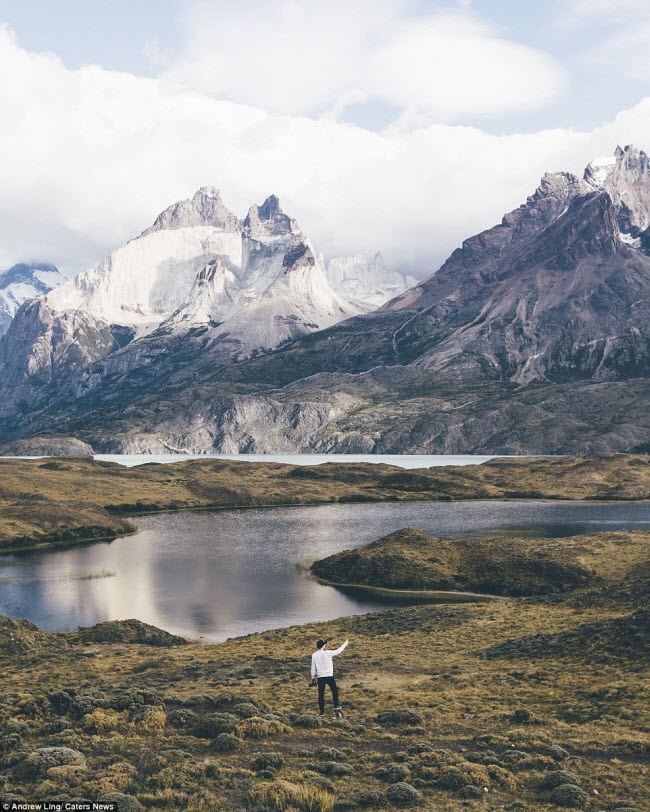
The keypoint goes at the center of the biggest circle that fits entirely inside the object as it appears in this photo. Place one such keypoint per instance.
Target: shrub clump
(556, 778)
(258, 728)
(569, 795)
(403, 794)
(329, 754)
(372, 798)
(400, 717)
(212, 724)
(150, 719)
(333, 768)
(124, 803)
(40, 761)
(102, 721)
(245, 710)
(557, 753)
(397, 772)
(225, 743)
(269, 761)
(279, 796)
(470, 793)
(451, 778)
(306, 720)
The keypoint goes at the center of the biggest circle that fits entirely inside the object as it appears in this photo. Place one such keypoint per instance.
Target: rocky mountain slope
(26, 280)
(532, 337)
(198, 276)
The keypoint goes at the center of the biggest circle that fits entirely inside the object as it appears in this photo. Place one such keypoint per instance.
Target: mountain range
(207, 333)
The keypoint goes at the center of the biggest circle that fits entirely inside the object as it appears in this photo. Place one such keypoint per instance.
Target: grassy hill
(412, 560)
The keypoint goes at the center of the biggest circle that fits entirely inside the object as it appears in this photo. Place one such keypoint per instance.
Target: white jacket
(321, 662)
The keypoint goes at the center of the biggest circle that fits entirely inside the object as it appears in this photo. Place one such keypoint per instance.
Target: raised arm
(339, 650)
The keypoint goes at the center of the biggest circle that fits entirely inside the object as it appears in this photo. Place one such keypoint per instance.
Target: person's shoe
(339, 713)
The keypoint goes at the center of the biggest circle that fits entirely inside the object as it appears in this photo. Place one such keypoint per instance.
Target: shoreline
(113, 536)
(426, 595)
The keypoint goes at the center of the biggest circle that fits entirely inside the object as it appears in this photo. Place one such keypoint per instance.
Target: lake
(225, 573)
(400, 460)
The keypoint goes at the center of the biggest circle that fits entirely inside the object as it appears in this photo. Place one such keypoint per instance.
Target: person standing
(322, 674)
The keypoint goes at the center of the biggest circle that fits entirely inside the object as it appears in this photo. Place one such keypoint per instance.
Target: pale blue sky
(126, 34)
(395, 125)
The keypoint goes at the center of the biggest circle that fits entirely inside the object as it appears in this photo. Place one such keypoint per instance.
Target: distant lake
(231, 572)
(401, 460)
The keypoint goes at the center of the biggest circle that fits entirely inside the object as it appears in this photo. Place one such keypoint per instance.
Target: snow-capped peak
(599, 170)
(366, 280)
(26, 280)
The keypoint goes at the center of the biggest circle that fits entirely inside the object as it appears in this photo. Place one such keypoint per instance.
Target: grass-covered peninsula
(411, 560)
(71, 499)
(527, 703)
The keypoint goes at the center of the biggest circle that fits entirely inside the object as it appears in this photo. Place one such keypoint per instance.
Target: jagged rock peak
(269, 220)
(628, 165)
(204, 208)
(625, 176)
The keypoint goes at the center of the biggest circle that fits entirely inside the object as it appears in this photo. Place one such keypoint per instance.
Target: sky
(396, 125)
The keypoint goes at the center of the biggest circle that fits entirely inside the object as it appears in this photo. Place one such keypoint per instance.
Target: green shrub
(557, 753)
(403, 794)
(245, 710)
(258, 728)
(225, 743)
(333, 768)
(451, 778)
(182, 717)
(374, 799)
(557, 777)
(402, 716)
(210, 725)
(281, 796)
(268, 761)
(470, 793)
(40, 761)
(397, 772)
(124, 803)
(569, 795)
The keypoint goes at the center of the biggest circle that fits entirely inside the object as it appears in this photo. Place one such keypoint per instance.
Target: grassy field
(73, 499)
(526, 703)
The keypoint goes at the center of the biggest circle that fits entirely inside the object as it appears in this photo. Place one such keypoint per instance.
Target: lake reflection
(226, 573)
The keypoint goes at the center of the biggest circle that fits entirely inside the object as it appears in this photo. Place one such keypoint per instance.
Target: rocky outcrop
(46, 447)
(205, 208)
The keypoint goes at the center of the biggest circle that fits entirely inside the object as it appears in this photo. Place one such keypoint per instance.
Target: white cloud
(310, 57)
(91, 156)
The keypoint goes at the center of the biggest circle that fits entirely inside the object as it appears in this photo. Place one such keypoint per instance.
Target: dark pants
(322, 682)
